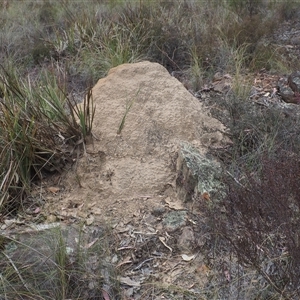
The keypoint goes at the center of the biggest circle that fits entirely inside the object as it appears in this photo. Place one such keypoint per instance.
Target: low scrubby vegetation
(52, 52)
(253, 231)
(39, 132)
(71, 263)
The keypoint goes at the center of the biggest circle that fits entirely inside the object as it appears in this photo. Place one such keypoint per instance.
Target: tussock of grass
(90, 39)
(69, 264)
(37, 134)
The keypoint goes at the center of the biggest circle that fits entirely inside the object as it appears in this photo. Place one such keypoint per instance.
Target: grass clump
(90, 39)
(37, 134)
(256, 129)
(70, 263)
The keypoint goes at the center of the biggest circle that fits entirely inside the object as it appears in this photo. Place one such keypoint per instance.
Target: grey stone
(294, 81)
(186, 240)
(287, 94)
(158, 211)
(289, 89)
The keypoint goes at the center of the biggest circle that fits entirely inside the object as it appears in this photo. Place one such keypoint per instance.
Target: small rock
(158, 211)
(92, 285)
(51, 219)
(287, 94)
(221, 83)
(289, 88)
(196, 174)
(114, 259)
(294, 81)
(295, 40)
(150, 219)
(128, 292)
(217, 77)
(186, 240)
(90, 220)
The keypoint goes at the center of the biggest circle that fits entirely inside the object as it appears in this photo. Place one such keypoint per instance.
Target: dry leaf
(192, 221)
(128, 281)
(174, 204)
(187, 257)
(162, 239)
(91, 204)
(89, 245)
(53, 189)
(126, 260)
(205, 196)
(97, 211)
(203, 269)
(80, 206)
(37, 210)
(105, 295)
(227, 275)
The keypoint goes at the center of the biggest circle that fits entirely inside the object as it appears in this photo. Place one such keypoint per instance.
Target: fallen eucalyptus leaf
(53, 189)
(162, 239)
(128, 281)
(187, 257)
